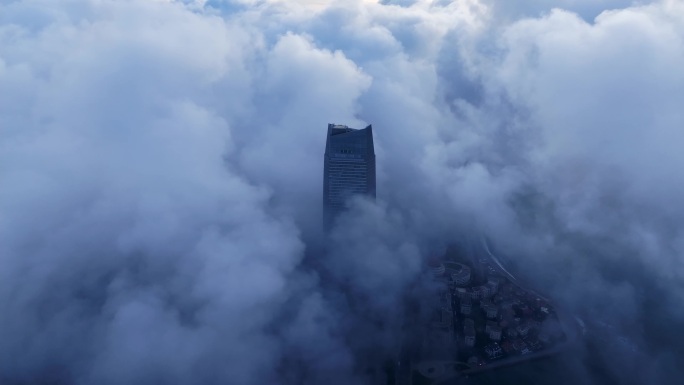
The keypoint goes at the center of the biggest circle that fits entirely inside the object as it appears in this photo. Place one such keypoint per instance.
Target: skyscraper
(349, 167)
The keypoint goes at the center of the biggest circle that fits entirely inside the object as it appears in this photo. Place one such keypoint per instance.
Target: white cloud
(161, 168)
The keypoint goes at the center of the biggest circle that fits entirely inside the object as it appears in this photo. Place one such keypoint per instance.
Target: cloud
(585, 9)
(161, 179)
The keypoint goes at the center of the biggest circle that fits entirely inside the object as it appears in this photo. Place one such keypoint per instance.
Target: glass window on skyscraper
(349, 167)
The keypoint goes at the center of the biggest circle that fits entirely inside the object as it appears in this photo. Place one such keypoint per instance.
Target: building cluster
(451, 273)
(511, 321)
(491, 318)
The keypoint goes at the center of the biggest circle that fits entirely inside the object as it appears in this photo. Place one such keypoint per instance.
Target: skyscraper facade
(349, 167)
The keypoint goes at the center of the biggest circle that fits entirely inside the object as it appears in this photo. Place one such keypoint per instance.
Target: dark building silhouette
(349, 167)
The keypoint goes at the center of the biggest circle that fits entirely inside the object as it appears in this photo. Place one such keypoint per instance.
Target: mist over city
(162, 187)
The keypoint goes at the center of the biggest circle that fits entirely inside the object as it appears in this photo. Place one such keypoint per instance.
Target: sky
(161, 180)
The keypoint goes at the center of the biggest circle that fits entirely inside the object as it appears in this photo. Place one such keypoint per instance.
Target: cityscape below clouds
(341, 192)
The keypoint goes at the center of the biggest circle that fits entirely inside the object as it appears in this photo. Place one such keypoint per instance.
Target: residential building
(466, 306)
(489, 325)
(491, 310)
(469, 332)
(493, 350)
(495, 333)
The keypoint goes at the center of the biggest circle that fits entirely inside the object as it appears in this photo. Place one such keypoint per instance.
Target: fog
(161, 170)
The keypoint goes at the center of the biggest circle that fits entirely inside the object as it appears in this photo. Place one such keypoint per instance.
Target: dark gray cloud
(161, 178)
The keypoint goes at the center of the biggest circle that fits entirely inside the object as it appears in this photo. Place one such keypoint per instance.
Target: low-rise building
(466, 306)
(484, 303)
(469, 337)
(523, 328)
(495, 333)
(533, 344)
(511, 333)
(485, 292)
(446, 300)
(459, 273)
(469, 332)
(489, 325)
(437, 268)
(492, 288)
(493, 350)
(492, 312)
(519, 345)
(462, 293)
(493, 282)
(476, 293)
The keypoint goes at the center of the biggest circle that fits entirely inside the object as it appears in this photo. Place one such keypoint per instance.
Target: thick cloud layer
(161, 167)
